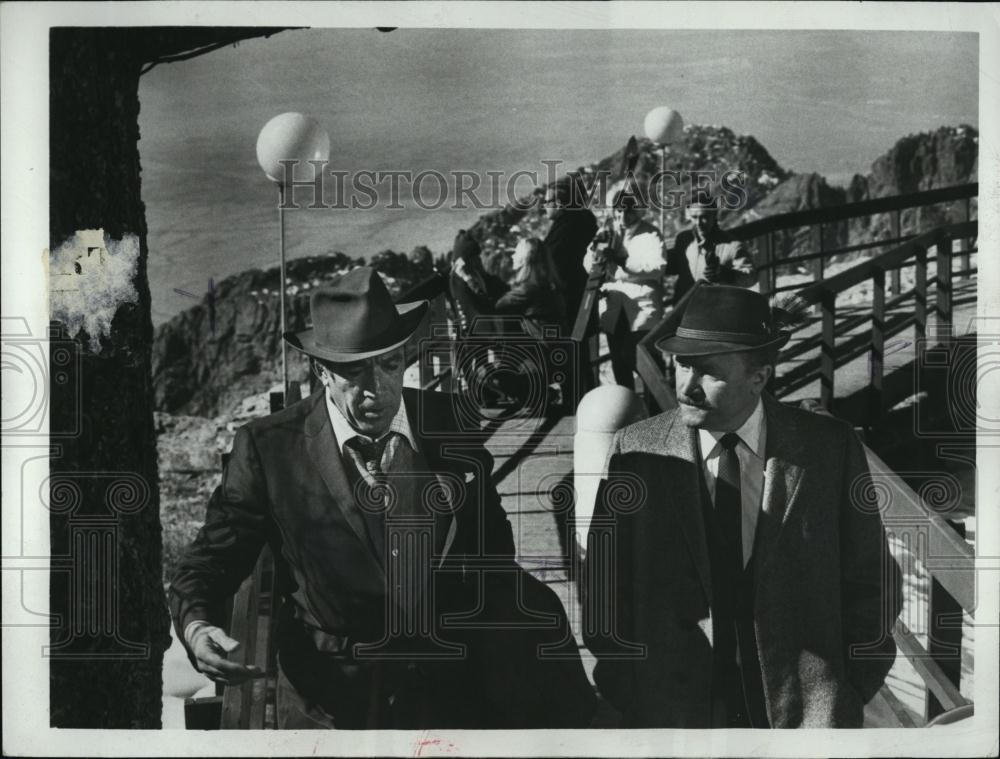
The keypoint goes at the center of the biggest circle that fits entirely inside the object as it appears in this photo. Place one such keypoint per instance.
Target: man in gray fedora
(739, 576)
(384, 526)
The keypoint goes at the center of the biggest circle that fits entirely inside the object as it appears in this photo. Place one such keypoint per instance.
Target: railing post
(764, 269)
(828, 304)
(896, 234)
(944, 638)
(920, 303)
(876, 363)
(821, 261)
(966, 243)
(772, 258)
(942, 297)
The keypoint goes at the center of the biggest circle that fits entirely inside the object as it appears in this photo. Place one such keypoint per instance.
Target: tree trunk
(110, 625)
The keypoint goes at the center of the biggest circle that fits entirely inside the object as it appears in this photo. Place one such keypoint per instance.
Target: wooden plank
(937, 682)
(876, 364)
(764, 269)
(920, 303)
(943, 295)
(588, 303)
(261, 626)
(652, 377)
(764, 257)
(950, 559)
(888, 702)
(828, 349)
(234, 700)
(851, 210)
(896, 233)
(944, 643)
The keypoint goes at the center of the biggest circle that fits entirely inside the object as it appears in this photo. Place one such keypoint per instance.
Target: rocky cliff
(210, 357)
(207, 359)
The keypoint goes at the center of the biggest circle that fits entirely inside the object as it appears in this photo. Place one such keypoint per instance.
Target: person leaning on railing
(704, 253)
(535, 292)
(473, 289)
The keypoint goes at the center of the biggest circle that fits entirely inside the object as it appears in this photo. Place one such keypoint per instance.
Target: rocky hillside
(207, 359)
(210, 357)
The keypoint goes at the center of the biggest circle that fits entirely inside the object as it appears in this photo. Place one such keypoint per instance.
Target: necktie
(371, 460)
(728, 499)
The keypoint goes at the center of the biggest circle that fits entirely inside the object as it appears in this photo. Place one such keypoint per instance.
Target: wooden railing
(764, 233)
(884, 323)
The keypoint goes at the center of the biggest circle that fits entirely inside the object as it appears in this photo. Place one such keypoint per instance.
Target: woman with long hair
(536, 292)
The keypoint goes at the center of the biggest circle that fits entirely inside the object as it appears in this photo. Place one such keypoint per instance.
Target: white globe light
(291, 136)
(663, 125)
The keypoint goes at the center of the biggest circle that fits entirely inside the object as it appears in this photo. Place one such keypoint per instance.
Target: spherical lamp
(291, 137)
(663, 125)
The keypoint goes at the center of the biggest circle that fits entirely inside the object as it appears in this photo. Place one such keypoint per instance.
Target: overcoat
(826, 589)
(286, 485)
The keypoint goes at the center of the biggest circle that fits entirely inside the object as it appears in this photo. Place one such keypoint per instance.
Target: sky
(502, 100)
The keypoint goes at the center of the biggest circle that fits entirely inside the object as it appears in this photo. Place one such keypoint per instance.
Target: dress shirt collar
(344, 431)
(750, 434)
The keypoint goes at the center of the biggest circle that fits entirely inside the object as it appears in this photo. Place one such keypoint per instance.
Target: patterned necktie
(728, 499)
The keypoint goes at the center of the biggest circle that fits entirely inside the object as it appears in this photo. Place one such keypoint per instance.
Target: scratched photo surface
(420, 377)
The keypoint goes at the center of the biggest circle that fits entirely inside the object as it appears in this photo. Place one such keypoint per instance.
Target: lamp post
(298, 138)
(663, 126)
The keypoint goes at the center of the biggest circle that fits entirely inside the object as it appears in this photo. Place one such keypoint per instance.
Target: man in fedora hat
(380, 516)
(739, 577)
(704, 253)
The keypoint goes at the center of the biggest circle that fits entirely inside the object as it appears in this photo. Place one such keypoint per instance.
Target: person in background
(573, 227)
(535, 293)
(704, 253)
(473, 289)
(633, 296)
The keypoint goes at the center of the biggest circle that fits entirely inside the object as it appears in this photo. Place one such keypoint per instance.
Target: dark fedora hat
(723, 319)
(356, 319)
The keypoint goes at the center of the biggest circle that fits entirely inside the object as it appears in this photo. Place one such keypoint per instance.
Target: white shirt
(638, 279)
(750, 452)
(343, 431)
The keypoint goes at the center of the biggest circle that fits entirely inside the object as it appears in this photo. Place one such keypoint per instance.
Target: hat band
(709, 334)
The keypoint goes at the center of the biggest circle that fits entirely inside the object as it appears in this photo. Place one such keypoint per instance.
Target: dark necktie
(371, 460)
(728, 499)
(710, 272)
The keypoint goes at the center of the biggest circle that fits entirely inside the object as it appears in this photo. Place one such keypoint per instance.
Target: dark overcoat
(285, 484)
(827, 590)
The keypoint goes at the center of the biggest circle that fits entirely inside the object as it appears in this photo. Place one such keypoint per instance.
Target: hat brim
(410, 316)
(686, 346)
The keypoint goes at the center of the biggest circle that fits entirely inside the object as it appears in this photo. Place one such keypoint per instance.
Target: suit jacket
(285, 484)
(827, 591)
(567, 241)
(735, 262)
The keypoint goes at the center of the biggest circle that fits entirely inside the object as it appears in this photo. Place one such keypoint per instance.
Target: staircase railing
(764, 233)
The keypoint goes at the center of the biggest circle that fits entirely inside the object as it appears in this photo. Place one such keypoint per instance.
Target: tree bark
(110, 625)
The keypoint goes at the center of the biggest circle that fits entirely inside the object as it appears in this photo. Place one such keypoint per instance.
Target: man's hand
(210, 646)
(711, 270)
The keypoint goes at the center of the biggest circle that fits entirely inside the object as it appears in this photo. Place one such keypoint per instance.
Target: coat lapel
(681, 442)
(324, 450)
(430, 448)
(782, 472)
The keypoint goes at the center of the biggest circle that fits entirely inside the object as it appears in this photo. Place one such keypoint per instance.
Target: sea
(500, 101)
